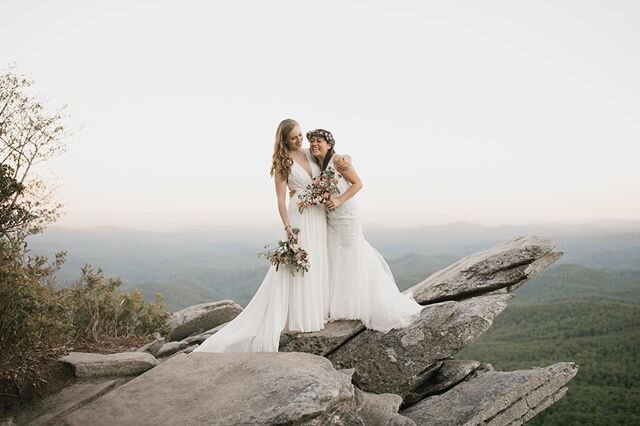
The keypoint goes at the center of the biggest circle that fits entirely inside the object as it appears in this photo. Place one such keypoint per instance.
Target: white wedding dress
(361, 283)
(284, 301)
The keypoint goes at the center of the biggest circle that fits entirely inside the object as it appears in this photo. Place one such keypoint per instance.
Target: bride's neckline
(308, 172)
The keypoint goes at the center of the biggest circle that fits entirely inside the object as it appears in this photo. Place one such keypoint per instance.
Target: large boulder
(111, 365)
(495, 397)
(402, 359)
(505, 267)
(229, 388)
(198, 318)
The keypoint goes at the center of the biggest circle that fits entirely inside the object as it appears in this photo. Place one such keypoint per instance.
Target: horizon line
(206, 227)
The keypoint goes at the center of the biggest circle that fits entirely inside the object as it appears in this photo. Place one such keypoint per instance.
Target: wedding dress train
(284, 301)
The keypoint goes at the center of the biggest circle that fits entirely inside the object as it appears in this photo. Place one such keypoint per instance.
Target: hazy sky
(491, 112)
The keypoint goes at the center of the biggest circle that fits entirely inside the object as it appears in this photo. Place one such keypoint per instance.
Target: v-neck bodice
(299, 178)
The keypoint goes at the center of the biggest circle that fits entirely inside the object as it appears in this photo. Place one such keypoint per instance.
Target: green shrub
(97, 308)
(31, 313)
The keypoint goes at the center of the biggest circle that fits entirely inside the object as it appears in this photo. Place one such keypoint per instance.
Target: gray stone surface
(322, 342)
(512, 414)
(229, 388)
(296, 388)
(394, 362)
(51, 409)
(170, 348)
(154, 346)
(198, 318)
(119, 364)
(186, 350)
(201, 337)
(544, 404)
(450, 373)
(493, 396)
(504, 266)
(380, 409)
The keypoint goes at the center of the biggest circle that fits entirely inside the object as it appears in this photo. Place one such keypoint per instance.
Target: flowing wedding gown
(284, 301)
(362, 285)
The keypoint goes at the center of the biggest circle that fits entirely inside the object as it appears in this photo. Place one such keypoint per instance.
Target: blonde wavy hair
(281, 162)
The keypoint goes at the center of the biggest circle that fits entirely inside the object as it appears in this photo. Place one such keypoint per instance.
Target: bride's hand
(334, 203)
(292, 193)
(290, 233)
(342, 163)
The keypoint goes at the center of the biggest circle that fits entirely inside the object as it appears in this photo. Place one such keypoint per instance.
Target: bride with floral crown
(361, 283)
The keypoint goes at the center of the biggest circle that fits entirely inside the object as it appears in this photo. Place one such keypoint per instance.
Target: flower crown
(325, 134)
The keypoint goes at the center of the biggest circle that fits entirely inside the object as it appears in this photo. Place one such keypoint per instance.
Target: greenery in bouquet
(288, 253)
(320, 191)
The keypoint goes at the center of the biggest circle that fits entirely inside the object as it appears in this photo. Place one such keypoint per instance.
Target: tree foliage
(37, 319)
(97, 308)
(29, 135)
(601, 335)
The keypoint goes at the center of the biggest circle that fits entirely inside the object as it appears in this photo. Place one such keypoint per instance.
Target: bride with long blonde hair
(284, 301)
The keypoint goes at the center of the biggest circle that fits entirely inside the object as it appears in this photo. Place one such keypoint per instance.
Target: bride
(361, 283)
(285, 301)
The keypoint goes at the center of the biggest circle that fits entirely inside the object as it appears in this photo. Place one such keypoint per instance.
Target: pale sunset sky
(494, 112)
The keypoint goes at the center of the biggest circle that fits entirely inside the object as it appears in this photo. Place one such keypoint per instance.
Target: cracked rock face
(495, 397)
(396, 361)
(450, 373)
(504, 266)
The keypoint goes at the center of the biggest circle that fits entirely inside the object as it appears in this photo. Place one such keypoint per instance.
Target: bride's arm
(356, 185)
(281, 193)
(342, 162)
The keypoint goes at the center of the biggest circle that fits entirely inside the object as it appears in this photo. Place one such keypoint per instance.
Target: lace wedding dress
(284, 301)
(361, 283)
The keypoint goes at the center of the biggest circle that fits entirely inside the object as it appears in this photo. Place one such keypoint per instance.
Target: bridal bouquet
(288, 253)
(324, 185)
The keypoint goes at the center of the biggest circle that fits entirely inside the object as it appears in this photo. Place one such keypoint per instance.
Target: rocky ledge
(349, 375)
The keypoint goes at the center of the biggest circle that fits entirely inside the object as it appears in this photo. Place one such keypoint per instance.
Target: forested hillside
(601, 335)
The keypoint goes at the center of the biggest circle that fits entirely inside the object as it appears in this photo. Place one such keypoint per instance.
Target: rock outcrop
(400, 360)
(495, 397)
(113, 365)
(500, 269)
(198, 318)
(230, 389)
(504, 267)
(349, 375)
